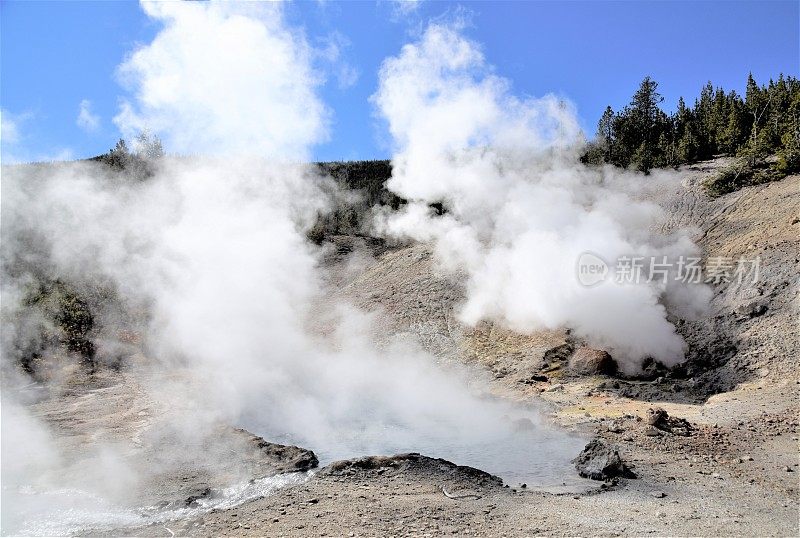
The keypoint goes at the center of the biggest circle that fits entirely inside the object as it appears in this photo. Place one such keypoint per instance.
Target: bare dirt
(724, 462)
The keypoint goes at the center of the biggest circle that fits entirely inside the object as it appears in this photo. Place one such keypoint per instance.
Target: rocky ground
(713, 444)
(720, 479)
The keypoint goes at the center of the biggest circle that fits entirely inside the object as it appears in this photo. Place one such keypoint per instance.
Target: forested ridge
(762, 129)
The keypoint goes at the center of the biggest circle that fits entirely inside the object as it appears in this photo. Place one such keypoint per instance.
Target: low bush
(742, 174)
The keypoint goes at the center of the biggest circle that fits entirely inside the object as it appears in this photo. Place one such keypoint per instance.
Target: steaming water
(535, 454)
(537, 458)
(518, 452)
(68, 511)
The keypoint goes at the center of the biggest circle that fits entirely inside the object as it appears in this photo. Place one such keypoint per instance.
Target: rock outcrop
(590, 361)
(282, 458)
(414, 463)
(659, 419)
(600, 461)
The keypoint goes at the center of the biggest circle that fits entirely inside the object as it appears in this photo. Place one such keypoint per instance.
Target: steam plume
(240, 328)
(520, 207)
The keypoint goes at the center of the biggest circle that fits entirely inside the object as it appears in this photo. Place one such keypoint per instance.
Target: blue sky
(57, 54)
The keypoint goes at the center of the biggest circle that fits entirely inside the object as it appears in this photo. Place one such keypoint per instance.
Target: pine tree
(683, 117)
(719, 120)
(650, 121)
(643, 157)
(789, 155)
(645, 110)
(765, 122)
(688, 147)
(736, 128)
(704, 116)
(121, 148)
(119, 157)
(605, 132)
(756, 101)
(666, 152)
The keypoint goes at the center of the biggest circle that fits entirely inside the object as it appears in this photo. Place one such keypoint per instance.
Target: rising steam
(520, 207)
(240, 328)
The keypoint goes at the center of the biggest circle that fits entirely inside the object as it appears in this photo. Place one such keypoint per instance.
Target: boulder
(659, 420)
(557, 354)
(523, 425)
(657, 417)
(590, 361)
(280, 458)
(600, 461)
(752, 308)
(413, 464)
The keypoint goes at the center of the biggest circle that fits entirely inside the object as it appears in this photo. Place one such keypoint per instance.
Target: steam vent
(399, 268)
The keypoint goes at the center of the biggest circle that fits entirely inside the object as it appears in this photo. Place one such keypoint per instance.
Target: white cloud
(13, 139)
(87, 120)
(347, 76)
(405, 7)
(331, 53)
(9, 130)
(224, 77)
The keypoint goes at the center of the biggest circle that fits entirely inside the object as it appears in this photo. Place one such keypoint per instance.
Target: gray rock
(413, 464)
(590, 361)
(656, 416)
(599, 461)
(523, 424)
(557, 354)
(752, 308)
(652, 431)
(283, 458)
(615, 426)
(658, 419)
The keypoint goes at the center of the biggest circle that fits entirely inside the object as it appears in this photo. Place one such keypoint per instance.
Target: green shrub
(70, 316)
(742, 174)
(789, 156)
